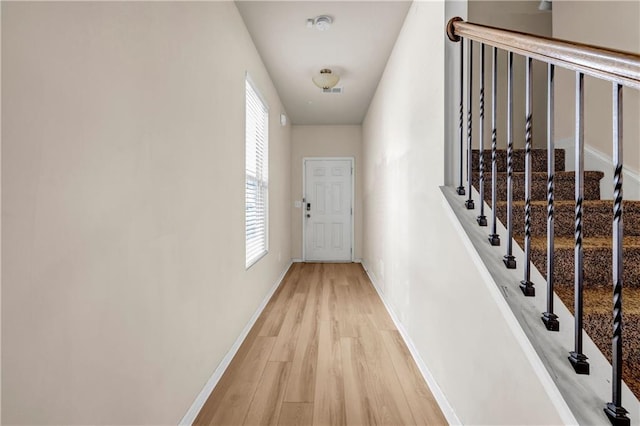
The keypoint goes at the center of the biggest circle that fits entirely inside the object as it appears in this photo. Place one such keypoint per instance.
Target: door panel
(328, 211)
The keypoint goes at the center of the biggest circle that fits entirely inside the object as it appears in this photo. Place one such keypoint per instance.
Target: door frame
(304, 198)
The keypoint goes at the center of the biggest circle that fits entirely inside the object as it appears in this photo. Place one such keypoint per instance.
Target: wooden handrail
(608, 64)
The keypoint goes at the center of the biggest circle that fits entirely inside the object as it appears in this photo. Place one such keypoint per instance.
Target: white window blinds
(257, 175)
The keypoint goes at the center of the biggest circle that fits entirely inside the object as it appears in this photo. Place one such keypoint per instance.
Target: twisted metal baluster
(494, 238)
(460, 188)
(509, 260)
(482, 219)
(576, 357)
(469, 203)
(549, 318)
(526, 285)
(614, 410)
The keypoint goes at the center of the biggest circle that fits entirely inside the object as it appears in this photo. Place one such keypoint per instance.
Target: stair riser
(564, 187)
(596, 271)
(538, 160)
(597, 220)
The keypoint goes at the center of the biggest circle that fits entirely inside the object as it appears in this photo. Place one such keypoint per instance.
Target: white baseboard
(295, 260)
(441, 399)
(596, 160)
(202, 397)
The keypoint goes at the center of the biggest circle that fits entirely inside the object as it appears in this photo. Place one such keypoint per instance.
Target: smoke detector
(321, 23)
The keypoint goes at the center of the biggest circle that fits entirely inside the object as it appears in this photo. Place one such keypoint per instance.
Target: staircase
(597, 246)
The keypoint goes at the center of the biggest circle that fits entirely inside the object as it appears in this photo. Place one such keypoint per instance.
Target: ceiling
(356, 47)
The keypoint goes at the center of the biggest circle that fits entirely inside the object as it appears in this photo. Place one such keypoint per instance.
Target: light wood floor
(323, 352)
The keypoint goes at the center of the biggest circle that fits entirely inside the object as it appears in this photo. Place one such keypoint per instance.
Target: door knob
(308, 215)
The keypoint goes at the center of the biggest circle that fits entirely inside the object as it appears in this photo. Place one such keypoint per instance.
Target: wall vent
(333, 90)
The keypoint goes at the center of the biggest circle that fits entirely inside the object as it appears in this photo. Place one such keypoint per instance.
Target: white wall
(452, 99)
(513, 15)
(611, 24)
(521, 16)
(124, 282)
(324, 141)
(414, 252)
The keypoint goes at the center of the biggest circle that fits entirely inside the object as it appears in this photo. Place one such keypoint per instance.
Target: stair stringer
(585, 396)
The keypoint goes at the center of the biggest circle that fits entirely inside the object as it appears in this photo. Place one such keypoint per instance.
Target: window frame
(262, 173)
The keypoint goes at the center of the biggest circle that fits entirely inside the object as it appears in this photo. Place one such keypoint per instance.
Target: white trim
(353, 201)
(254, 88)
(202, 397)
(255, 260)
(296, 260)
(441, 399)
(304, 208)
(247, 76)
(597, 160)
(521, 338)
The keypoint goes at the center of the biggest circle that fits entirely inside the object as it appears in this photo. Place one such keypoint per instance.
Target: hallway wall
(614, 25)
(416, 255)
(513, 15)
(524, 16)
(324, 141)
(123, 262)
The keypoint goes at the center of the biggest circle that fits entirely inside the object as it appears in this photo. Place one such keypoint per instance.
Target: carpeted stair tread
(597, 322)
(587, 242)
(538, 159)
(564, 185)
(600, 299)
(597, 255)
(598, 326)
(597, 246)
(597, 217)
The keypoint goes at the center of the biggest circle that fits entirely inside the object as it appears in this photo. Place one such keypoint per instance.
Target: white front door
(327, 210)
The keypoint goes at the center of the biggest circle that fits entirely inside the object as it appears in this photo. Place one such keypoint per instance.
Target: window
(257, 175)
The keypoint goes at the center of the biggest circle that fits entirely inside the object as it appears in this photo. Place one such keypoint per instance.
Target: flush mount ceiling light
(321, 23)
(325, 79)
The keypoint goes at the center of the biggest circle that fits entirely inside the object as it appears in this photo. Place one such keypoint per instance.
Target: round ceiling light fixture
(325, 79)
(321, 23)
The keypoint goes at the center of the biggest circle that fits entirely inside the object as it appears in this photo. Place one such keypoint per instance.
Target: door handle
(308, 215)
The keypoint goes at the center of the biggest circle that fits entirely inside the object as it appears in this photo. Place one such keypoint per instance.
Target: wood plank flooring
(323, 352)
